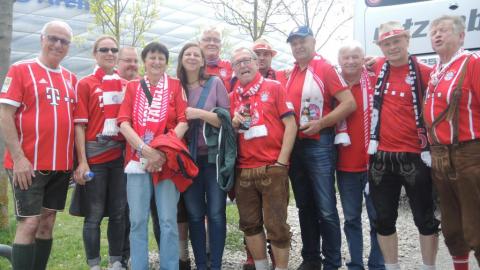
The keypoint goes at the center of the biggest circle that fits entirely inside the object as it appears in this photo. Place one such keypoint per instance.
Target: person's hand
(369, 62)
(193, 113)
(155, 160)
(237, 120)
(22, 172)
(79, 172)
(312, 127)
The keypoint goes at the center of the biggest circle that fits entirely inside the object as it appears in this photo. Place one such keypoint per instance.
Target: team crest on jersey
(53, 95)
(264, 96)
(409, 80)
(223, 72)
(449, 75)
(6, 84)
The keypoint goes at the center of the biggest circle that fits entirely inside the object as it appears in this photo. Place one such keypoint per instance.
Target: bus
(415, 15)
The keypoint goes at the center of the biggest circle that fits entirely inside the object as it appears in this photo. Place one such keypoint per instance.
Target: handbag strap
(204, 94)
(146, 91)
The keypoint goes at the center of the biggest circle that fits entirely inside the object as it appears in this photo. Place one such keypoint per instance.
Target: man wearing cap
(266, 133)
(452, 113)
(210, 43)
(265, 54)
(313, 86)
(352, 163)
(399, 148)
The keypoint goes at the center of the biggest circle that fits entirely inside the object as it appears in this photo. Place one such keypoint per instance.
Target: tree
(322, 16)
(250, 16)
(126, 20)
(6, 16)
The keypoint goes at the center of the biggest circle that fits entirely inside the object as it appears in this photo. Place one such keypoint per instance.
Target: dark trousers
(456, 174)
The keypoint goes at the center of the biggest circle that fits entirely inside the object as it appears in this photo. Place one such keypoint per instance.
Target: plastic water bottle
(88, 176)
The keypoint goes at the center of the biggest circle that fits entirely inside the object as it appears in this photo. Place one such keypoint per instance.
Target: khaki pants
(456, 174)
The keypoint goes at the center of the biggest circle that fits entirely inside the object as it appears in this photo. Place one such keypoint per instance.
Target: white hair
(63, 24)
(351, 46)
(244, 49)
(211, 28)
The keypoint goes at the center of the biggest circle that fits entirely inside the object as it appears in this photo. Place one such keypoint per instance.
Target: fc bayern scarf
(149, 120)
(112, 96)
(415, 87)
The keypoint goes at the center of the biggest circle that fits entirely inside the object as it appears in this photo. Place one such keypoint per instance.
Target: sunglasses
(55, 39)
(105, 50)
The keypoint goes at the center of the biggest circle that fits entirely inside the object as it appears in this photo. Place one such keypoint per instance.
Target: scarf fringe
(372, 147)
(110, 127)
(426, 158)
(134, 167)
(342, 138)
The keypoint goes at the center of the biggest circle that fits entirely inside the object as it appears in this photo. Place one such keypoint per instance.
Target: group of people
(175, 148)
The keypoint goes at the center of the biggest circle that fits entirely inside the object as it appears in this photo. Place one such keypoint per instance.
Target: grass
(68, 252)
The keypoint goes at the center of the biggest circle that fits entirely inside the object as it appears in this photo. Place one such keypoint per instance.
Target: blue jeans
(350, 186)
(105, 195)
(205, 198)
(312, 172)
(140, 189)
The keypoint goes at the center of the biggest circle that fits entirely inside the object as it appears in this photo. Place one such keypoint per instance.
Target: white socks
(393, 266)
(428, 267)
(183, 249)
(261, 264)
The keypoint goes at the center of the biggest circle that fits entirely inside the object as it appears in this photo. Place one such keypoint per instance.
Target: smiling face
(55, 43)
(445, 40)
(128, 63)
(210, 43)
(106, 59)
(192, 59)
(155, 63)
(395, 49)
(351, 61)
(245, 66)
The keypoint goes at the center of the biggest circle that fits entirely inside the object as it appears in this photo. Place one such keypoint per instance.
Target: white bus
(416, 16)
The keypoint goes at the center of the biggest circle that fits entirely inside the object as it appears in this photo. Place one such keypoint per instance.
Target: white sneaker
(96, 267)
(116, 266)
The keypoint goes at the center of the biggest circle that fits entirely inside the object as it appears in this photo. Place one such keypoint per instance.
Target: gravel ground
(409, 248)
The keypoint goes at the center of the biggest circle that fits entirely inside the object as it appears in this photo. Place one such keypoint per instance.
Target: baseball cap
(301, 31)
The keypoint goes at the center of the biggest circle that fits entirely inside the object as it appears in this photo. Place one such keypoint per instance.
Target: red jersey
(222, 69)
(90, 111)
(261, 151)
(176, 107)
(314, 88)
(440, 95)
(354, 157)
(45, 101)
(398, 131)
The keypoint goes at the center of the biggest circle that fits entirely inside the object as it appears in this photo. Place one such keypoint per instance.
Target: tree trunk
(6, 12)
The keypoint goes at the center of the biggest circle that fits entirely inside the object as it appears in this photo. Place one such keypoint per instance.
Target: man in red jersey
(128, 63)
(452, 113)
(352, 162)
(399, 146)
(265, 54)
(312, 88)
(37, 102)
(267, 131)
(210, 43)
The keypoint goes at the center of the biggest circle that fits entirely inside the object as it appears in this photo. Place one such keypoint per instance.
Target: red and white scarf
(149, 120)
(112, 96)
(248, 94)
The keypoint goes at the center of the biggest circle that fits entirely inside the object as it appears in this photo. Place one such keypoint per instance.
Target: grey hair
(351, 46)
(127, 48)
(243, 49)
(63, 24)
(211, 28)
(457, 22)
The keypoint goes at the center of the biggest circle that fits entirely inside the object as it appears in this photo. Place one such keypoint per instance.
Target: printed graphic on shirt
(6, 84)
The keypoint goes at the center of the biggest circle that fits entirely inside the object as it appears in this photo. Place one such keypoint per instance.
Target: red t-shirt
(398, 131)
(222, 69)
(469, 107)
(354, 157)
(90, 112)
(327, 78)
(46, 101)
(176, 107)
(263, 151)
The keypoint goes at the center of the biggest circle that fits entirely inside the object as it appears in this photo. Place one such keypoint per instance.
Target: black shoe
(184, 265)
(310, 265)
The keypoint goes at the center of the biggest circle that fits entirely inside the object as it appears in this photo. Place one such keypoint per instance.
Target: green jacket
(222, 148)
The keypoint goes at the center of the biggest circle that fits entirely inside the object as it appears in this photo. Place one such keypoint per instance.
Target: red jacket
(179, 166)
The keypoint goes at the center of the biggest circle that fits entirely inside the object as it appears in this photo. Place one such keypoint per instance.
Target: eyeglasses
(210, 39)
(105, 50)
(55, 39)
(245, 62)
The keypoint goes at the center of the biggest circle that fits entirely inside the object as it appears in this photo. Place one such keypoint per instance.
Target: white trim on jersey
(69, 113)
(10, 102)
(470, 114)
(56, 70)
(80, 120)
(37, 113)
(55, 126)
